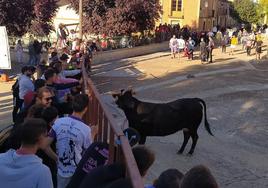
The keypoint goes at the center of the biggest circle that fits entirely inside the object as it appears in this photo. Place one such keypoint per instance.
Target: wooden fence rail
(108, 131)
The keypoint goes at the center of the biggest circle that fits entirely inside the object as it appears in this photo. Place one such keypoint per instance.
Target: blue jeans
(62, 182)
(32, 60)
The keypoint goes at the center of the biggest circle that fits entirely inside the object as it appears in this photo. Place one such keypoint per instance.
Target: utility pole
(80, 19)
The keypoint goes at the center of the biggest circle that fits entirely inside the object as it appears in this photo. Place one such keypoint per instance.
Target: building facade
(197, 14)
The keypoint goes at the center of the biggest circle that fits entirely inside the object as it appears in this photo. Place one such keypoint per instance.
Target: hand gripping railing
(108, 131)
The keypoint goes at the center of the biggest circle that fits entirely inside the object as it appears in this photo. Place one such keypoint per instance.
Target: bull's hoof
(190, 153)
(179, 152)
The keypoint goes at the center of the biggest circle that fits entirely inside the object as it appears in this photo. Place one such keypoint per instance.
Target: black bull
(151, 119)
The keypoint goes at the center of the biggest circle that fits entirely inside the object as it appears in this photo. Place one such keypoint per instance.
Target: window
(176, 5)
(179, 5)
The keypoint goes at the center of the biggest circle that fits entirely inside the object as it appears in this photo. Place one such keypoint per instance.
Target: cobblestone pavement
(235, 90)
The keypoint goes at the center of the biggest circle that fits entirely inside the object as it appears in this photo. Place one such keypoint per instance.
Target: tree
(16, 15)
(94, 20)
(22, 16)
(263, 9)
(44, 11)
(247, 11)
(118, 17)
(132, 16)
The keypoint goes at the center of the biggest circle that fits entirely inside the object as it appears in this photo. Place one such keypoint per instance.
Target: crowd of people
(207, 41)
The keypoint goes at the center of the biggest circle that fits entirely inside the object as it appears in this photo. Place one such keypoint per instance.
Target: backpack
(15, 89)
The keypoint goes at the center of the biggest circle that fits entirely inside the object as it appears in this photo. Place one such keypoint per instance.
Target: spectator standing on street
(248, 46)
(173, 46)
(31, 50)
(234, 42)
(219, 37)
(22, 168)
(72, 137)
(203, 51)
(181, 45)
(62, 34)
(19, 52)
(210, 48)
(37, 52)
(258, 46)
(224, 43)
(191, 45)
(17, 102)
(72, 38)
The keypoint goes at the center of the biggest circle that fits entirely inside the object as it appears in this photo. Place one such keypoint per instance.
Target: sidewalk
(6, 104)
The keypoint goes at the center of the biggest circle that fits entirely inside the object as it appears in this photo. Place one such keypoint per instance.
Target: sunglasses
(48, 99)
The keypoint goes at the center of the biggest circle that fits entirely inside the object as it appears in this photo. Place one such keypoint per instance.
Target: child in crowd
(234, 42)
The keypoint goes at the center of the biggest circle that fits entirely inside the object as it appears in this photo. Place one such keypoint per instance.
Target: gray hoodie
(23, 171)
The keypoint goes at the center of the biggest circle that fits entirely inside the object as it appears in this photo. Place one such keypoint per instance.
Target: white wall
(65, 15)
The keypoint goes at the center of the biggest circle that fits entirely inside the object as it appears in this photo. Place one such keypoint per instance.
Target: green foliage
(246, 11)
(16, 15)
(263, 8)
(118, 17)
(22, 16)
(44, 11)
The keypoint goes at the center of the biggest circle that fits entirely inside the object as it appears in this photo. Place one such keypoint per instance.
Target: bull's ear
(115, 96)
(122, 91)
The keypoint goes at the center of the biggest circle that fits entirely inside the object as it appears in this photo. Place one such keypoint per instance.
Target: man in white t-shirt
(181, 45)
(72, 137)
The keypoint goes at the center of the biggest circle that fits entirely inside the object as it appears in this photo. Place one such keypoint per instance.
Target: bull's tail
(207, 126)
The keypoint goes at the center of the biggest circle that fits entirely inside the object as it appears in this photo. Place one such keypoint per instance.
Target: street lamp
(80, 19)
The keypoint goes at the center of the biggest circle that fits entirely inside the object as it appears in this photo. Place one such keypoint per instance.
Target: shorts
(258, 50)
(181, 50)
(62, 182)
(173, 49)
(233, 46)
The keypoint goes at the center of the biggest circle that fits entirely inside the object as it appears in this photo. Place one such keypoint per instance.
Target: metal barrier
(108, 131)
